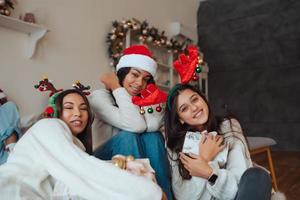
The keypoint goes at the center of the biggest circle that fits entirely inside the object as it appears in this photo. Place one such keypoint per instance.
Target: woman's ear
(181, 121)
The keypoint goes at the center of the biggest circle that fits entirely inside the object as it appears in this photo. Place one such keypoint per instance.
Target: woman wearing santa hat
(121, 125)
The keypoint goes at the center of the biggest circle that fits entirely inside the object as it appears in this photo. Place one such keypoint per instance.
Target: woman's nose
(139, 82)
(76, 112)
(194, 107)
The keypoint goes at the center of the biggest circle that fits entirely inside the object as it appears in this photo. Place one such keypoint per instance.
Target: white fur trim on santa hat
(138, 61)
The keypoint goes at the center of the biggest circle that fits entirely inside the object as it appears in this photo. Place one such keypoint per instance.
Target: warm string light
(144, 33)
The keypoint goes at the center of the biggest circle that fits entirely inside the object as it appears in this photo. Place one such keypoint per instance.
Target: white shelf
(34, 32)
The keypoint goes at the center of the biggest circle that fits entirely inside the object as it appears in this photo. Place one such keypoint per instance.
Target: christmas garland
(142, 32)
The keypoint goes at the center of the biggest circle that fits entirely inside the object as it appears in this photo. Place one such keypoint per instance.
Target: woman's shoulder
(230, 125)
(99, 92)
(49, 122)
(48, 125)
(102, 96)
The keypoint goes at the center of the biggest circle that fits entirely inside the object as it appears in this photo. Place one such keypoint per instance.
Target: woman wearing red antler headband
(50, 162)
(129, 114)
(203, 167)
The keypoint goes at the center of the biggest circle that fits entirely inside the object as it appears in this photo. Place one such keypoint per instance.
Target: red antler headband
(78, 86)
(189, 65)
(46, 85)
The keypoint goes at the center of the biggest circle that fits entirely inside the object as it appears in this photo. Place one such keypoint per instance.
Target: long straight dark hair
(86, 136)
(175, 131)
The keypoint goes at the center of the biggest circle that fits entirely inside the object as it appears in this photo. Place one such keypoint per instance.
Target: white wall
(75, 47)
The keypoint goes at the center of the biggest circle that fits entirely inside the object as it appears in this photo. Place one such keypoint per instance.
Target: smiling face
(192, 109)
(136, 80)
(74, 113)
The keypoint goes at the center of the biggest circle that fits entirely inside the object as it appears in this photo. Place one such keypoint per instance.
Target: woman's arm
(226, 185)
(126, 116)
(83, 174)
(186, 189)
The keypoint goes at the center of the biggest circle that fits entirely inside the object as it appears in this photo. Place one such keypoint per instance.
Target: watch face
(212, 179)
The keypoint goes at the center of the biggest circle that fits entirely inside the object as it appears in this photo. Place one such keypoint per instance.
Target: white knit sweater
(226, 185)
(48, 154)
(110, 119)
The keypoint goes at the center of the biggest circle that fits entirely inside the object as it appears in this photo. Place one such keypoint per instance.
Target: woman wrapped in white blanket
(52, 152)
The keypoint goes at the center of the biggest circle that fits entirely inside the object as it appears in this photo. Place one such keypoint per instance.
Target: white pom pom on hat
(138, 56)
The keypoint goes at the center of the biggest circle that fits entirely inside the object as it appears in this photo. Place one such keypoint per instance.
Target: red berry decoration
(158, 108)
(195, 78)
(49, 110)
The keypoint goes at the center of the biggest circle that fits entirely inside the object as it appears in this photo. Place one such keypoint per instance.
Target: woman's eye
(135, 74)
(68, 107)
(84, 108)
(195, 99)
(183, 109)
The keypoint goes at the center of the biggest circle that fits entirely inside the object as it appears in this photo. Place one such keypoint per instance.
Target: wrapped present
(139, 167)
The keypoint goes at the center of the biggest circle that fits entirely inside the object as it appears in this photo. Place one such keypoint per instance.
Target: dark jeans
(254, 184)
(149, 145)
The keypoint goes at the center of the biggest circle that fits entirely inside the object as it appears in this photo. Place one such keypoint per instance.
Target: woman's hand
(110, 80)
(210, 146)
(164, 196)
(196, 165)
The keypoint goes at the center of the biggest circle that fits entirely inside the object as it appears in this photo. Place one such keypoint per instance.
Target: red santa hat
(138, 56)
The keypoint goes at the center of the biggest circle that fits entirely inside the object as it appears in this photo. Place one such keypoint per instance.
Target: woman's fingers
(222, 147)
(194, 156)
(203, 139)
(219, 140)
(183, 158)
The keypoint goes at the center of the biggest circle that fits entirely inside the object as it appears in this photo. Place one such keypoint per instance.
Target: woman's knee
(155, 137)
(257, 174)
(128, 137)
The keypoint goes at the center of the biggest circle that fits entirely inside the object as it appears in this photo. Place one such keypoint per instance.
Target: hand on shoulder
(110, 80)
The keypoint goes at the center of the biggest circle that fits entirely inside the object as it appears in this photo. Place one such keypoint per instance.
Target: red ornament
(49, 111)
(195, 78)
(158, 108)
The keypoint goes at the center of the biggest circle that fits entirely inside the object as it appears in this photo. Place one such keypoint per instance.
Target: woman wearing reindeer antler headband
(129, 113)
(209, 156)
(50, 162)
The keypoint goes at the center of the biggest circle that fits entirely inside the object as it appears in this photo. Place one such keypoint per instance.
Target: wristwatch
(212, 179)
